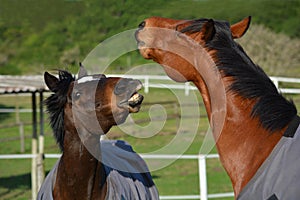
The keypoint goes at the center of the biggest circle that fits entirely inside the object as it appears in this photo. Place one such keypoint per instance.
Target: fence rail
(150, 81)
(203, 195)
(147, 82)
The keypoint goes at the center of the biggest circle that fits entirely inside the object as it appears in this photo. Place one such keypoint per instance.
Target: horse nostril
(142, 25)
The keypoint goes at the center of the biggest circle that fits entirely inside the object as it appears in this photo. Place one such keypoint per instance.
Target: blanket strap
(292, 128)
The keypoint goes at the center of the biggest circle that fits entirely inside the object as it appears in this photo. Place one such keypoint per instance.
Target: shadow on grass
(22, 181)
(15, 187)
(155, 177)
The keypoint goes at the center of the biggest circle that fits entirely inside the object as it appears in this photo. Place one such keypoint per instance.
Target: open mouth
(134, 102)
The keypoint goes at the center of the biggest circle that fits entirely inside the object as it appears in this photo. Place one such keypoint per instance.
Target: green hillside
(38, 34)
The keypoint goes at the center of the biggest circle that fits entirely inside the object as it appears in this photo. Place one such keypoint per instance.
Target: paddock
(289, 86)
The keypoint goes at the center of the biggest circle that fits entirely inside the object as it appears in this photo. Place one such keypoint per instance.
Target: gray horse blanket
(127, 174)
(279, 175)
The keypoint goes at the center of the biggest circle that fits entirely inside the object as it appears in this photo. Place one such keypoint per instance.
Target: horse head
(164, 40)
(90, 98)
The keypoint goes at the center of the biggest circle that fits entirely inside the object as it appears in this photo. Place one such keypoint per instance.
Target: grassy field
(29, 45)
(178, 178)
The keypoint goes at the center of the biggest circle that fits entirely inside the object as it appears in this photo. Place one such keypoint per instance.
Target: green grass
(15, 179)
(28, 45)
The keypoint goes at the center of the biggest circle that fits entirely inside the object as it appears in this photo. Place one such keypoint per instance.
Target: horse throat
(80, 174)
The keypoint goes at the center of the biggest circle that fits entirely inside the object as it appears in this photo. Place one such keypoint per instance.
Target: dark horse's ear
(208, 30)
(240, 28)
(51, 82)
(82, 71)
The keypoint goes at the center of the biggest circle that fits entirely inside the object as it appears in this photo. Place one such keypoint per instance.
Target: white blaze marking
(87, 79)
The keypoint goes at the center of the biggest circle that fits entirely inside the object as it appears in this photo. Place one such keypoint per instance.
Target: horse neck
(79, 175)
(242, 143)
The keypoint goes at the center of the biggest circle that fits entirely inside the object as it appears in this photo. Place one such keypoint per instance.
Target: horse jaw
(174, 75)
(177, 72)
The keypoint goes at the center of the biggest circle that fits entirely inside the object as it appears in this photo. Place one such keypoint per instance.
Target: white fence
(149, 81)
(278, 80)
(203, 194)
(155, 81)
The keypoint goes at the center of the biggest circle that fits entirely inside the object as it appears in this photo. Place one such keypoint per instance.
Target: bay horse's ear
(51, 81)
(240, 28)
(82, 71)
(208, 30)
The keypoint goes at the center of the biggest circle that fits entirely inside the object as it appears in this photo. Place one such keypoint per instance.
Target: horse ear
(51, 81)
(208, 30)
(82, 71)
(240, 28)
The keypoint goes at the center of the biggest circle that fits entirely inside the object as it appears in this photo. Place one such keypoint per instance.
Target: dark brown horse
(248, 115)
(80, 112)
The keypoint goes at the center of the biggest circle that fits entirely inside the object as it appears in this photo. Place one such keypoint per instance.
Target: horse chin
(122, 119)
(146, 53)
(134, 109)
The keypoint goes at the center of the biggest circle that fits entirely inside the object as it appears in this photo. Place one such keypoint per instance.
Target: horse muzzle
(128, 89)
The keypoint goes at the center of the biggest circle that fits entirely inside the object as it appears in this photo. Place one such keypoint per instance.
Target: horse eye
(76, 95)
(98, 105)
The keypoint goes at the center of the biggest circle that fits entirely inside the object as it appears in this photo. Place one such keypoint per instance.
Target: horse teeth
(134, 98)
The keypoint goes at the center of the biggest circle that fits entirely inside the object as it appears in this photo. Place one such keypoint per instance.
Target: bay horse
(256, 129)
(90, 169)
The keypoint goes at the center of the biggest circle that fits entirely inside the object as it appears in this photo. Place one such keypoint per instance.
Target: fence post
(39, 171)
(186, 88)
(22, 137)
(177, 115)
(276, 82)
(146, 84)
(202, 176)
(34, 149)
(21, 126)
(40, 158)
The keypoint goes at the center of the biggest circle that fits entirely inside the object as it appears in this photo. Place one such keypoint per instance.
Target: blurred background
(36, 35)
(40, 35)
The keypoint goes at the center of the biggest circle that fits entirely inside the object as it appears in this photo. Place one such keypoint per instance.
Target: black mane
(249, 80)
(55, 105)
